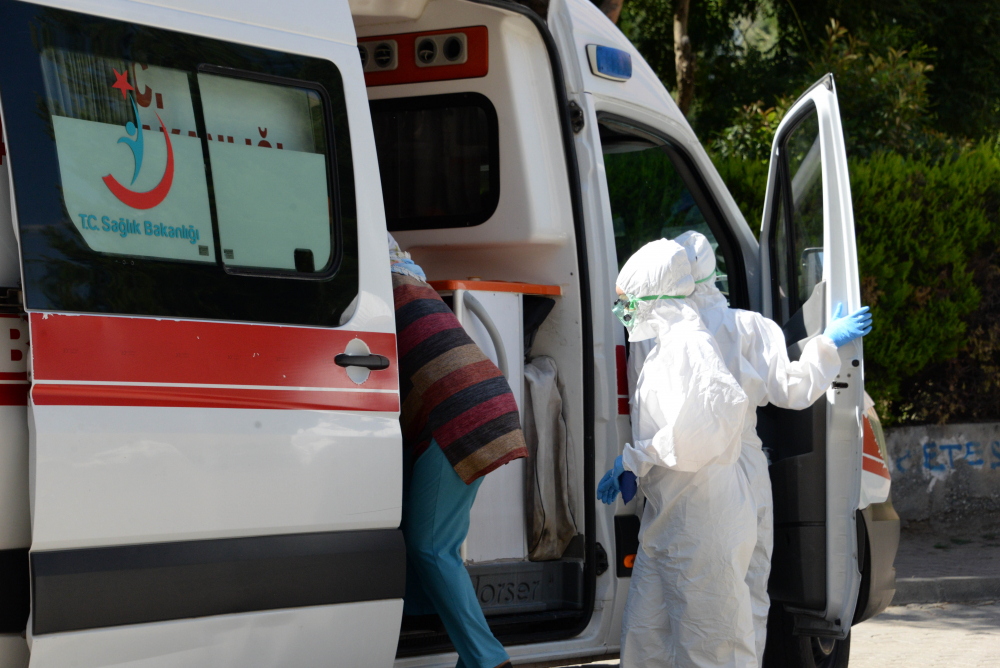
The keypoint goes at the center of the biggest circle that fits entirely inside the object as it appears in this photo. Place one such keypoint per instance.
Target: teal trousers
(436, 505)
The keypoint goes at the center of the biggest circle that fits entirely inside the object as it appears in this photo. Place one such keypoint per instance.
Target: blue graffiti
(930, 456)
(950, 447)
(972, 450)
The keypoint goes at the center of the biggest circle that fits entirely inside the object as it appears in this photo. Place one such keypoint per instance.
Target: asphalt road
(934, 635)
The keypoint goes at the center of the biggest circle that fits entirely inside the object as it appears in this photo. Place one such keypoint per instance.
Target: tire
(786, 650)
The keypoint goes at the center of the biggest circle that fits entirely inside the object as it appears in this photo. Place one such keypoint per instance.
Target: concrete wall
(946, 477)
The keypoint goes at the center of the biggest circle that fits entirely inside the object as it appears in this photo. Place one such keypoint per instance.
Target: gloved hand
(845, 329)
(608, 488)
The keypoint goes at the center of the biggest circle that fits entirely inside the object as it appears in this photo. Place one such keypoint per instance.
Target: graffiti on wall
(932, 457)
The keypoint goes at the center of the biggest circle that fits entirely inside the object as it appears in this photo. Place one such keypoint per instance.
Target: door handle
(370, 362)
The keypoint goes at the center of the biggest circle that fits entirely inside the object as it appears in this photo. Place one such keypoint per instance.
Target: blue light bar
(609, 63)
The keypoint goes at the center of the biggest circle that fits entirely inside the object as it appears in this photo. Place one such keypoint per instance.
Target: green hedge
(923, 229)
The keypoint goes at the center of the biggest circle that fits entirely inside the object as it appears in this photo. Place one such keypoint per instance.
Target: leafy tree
(883, 101)
(964, 91)
(749, 50)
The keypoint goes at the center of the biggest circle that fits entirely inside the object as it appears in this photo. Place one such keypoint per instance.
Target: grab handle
(479, 310)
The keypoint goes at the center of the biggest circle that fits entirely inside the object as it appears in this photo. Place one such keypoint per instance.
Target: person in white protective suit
(688, 603)
(754, 351)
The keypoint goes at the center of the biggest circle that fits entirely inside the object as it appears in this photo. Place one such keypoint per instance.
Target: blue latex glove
(629, 486)
(843, 330)
(608, 488)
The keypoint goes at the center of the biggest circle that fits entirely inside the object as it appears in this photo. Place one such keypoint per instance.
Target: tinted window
(649, 197)
(171, 175)
(439, 160)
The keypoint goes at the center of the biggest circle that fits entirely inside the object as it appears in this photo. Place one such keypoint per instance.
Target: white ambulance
(200, 454)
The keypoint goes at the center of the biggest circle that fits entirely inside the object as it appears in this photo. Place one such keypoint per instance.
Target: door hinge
(601, 560)
(576, 118)
(11, 301)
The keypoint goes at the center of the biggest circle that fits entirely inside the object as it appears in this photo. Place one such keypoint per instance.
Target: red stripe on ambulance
(211, 397)
(80, 360)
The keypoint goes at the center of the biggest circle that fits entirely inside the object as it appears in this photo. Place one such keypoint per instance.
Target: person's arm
(789, 384)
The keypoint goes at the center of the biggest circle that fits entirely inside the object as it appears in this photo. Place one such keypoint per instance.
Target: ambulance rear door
(215, 458)
(809, 265)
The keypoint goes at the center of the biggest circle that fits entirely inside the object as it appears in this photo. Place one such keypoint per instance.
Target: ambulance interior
(476, 188)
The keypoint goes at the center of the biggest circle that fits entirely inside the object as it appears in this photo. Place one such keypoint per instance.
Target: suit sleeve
(789, 384)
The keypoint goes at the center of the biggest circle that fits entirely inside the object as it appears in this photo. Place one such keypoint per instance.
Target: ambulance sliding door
(809, 265)
(214, 399)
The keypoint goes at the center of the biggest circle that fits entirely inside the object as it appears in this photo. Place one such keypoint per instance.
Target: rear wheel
(786, 650)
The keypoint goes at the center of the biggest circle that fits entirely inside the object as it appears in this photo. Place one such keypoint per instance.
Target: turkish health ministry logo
(134, 140)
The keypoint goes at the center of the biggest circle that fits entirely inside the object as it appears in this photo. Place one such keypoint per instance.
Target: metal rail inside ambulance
(194, 199)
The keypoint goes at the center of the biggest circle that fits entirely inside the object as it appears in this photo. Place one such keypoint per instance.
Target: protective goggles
(625, 307)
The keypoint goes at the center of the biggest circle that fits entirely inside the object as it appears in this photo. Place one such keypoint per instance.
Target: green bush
(927, 236)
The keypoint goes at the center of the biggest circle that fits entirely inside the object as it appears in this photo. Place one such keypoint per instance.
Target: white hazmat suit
(754, 351)
(688, 602)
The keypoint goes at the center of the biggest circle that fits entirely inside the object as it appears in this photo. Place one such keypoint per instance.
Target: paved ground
(930, 636)
(941, 635)
(934, 555)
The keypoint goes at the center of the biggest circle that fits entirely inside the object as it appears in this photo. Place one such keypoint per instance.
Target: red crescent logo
(150, 198)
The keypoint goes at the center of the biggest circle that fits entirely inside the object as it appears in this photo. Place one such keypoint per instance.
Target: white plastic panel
(352, 634)
(497, 529)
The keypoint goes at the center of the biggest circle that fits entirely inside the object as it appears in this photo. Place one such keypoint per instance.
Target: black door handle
(370, 362)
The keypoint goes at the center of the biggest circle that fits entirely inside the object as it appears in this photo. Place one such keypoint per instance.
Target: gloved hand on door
(843, 330)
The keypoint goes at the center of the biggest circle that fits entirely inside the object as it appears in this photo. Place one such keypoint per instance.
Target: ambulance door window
(650, 199)
(797, 240)
(267, 145)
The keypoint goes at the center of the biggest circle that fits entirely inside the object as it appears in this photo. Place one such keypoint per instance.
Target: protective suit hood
(659, 269)
(701, 255)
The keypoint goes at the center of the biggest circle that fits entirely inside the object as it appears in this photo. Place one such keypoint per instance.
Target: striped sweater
(450, 391)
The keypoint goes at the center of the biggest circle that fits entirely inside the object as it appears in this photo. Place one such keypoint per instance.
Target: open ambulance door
(809, 265)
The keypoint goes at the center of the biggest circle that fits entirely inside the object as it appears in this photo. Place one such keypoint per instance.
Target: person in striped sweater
(459, 422)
